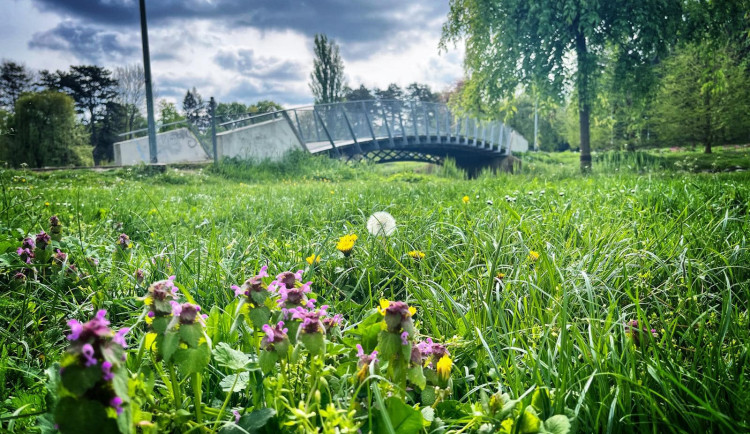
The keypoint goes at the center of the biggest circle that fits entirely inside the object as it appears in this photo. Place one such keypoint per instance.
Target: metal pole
(536, 126)
(149, 93)
(213, 129)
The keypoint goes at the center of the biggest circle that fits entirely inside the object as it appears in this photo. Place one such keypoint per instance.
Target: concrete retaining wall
(271, 139)
(176, 146)
(518, 143)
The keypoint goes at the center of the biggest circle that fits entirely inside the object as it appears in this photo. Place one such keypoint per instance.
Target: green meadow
(613, 302)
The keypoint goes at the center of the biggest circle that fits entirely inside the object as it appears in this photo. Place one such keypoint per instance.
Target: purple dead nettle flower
(292, 298)
(116, 403)
(26, 251)
(88, 353)
(159, 296)
(19, 277)
(289, 279)
(187, 313)
(365, 360)
(42, 240)
(332, 322)
(253, 285)
(139, 276)
(124, 241)
(236, 416)
(405, 338)
(107, 374)
(311, 320)
(398, 317)
(430, 352)
(276, 338)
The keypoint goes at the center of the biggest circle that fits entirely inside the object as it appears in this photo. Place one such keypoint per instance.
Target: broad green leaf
(404, 418)
(557, 424)
(192, 360)
(82, 416)
(78, 379)
(228, 381)
(191, 334)
(416, 376)
(230, 358)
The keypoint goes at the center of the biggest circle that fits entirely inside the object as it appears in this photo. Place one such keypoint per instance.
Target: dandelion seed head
(381, 224)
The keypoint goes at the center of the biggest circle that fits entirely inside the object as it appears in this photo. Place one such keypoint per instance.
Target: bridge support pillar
(474, 165)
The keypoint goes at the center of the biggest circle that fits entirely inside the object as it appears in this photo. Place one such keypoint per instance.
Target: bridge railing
(326, 126)
(394, 120)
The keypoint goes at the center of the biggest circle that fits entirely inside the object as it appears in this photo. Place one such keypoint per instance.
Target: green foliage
(516, 43)
(46, 133)
(545, 347)
(327, 80)
(168, 114)
(703, 98)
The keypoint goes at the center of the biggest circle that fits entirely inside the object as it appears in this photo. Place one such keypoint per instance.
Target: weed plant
(617, 301)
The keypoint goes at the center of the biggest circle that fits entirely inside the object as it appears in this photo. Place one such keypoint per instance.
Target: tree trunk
(584, 98)
(707, 136)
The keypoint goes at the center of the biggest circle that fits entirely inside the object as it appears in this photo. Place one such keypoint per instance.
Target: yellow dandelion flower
(500, 276)
(383, 306)
(313, 259)
(346, 244)
(465, 199)
(533, 255)
(444, 366)
(412, 310)
(416, 254)
(46, 203)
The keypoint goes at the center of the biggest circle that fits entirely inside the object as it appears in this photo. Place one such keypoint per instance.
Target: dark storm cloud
(85, 42)
(345, 20)
(247, 63)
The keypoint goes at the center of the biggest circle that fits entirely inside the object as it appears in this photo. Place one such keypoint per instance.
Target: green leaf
(192, 360)
(389, 344)
(416, 376)
(78, 379)
(191, 334)
(242, 379)
(528, 422)
(557, 424)
(313, 342)
(259, 316)
(230, 358)
(82, 416)
(267, 361)
(167, 344)
(159, 325)
(257, 419)
(404, 418)
(428, 413)
(428, 396)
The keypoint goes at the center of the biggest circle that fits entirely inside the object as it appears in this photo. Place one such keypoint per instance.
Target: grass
(637, 240)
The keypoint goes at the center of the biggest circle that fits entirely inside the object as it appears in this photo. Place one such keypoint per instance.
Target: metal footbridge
(384, 131)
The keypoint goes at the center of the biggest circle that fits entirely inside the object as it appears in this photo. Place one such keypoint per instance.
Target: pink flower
(88, 353)
(107, 374)
(405, 338)
(119, 337)
(116, 403)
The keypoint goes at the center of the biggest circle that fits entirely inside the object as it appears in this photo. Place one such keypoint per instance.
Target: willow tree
(512, 43)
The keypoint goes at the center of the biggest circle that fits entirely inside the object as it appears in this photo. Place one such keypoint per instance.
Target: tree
(265, 106)
(46, 132)
(704, 98)
(168, 114)
(131, 91)
(91, 87)
(327, 79)
(195, 109)
(230, 111)
(421, 93)
(15, 79)
(510, 43)
(115, 119)
(393, 91)
(360, 94)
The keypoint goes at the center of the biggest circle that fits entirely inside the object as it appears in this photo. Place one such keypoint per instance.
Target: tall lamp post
(149, 93)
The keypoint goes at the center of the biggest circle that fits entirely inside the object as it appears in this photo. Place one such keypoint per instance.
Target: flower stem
(197, 390)
(176, 394)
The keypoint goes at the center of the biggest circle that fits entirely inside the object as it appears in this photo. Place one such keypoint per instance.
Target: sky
(236, 50)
